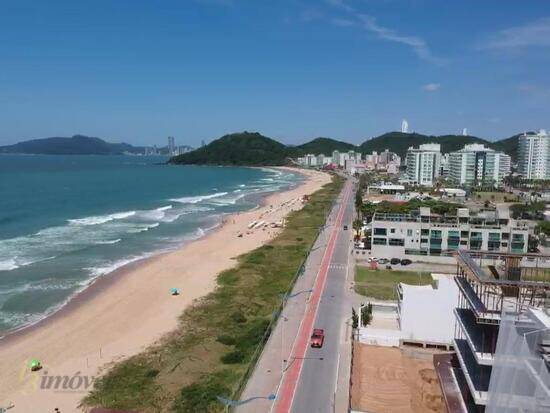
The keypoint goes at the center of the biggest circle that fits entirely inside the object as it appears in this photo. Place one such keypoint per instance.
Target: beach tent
(35, 365)
(174, 291)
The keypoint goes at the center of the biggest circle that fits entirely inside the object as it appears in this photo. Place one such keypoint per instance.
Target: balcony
(487, 311)
(480, 337)
(477, 376)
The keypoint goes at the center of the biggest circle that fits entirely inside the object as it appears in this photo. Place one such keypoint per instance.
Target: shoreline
(115, 339)
(102, 282)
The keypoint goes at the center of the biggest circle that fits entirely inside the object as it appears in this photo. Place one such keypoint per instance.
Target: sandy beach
(126, 311)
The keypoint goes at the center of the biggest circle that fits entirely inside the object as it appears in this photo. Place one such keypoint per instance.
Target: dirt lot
(391, 380)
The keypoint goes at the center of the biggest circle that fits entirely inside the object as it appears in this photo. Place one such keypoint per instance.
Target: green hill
(244, 148)
(323, 145)
(508, 145)
(399, 142)
(76, 145)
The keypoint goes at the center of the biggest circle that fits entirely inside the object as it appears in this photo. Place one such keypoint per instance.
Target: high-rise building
(171, 145)
(534, 155)
(476, 165)
(423, 164)
(404, 126)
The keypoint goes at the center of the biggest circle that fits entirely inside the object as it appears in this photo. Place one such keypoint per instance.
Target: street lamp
(285, 298)
(293, 359)
(232, 403)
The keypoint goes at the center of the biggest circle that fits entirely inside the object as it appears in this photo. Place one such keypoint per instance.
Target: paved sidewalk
(268, 373)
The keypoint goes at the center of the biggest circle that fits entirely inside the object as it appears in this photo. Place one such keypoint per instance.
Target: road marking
(289, 382)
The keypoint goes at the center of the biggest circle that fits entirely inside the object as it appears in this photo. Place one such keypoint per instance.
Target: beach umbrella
(34, 364)
(174, 291)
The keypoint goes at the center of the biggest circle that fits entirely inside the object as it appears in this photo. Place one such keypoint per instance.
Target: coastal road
(284, 367)
(311, 381)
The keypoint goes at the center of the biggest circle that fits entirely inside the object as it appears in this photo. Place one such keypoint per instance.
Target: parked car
(395, 261)
(345, 227)
(373, 259)
(406, 261)
(383, 261)
(317, 338)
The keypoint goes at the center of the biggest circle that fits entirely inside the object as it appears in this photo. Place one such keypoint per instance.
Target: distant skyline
(140, 71)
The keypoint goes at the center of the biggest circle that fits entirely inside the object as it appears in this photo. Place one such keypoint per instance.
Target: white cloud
(418, 45)
(343, 22)
(341, 4)
(431, 87)
(534, 33)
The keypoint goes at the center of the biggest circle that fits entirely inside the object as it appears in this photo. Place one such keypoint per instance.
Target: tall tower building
(534, 155)
(404, 126)
(171, 145)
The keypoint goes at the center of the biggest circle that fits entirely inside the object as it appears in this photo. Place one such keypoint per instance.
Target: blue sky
(138, 71)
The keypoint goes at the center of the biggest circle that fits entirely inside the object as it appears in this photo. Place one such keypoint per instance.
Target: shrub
(233, 357)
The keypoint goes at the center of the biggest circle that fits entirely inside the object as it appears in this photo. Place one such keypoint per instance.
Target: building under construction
(502, 335)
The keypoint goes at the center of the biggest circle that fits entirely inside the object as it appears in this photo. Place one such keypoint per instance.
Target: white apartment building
(423, 164)
(430, 237)
(534, 155)
(476, 165)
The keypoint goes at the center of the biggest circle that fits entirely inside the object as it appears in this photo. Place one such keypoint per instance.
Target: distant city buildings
(534, 155)
(476, 165)
(171, 146)
(423, 164)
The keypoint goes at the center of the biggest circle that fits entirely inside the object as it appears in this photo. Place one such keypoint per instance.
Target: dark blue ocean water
(66, 220)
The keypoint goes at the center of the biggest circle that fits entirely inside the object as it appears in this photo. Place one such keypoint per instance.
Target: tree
(359, 200)
(354, 319)
(357, 225)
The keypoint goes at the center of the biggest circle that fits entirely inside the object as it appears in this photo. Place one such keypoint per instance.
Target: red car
(317, 338)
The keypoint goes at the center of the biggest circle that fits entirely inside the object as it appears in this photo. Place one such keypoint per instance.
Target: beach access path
(126, 311)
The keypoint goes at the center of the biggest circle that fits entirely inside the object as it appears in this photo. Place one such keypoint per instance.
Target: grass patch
(495, 197)
(213, 348)
(380, 284)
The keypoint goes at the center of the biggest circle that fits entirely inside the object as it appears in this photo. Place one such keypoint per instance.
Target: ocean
(67, 220)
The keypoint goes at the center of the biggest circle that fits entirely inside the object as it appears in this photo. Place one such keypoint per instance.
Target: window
(475, 235)
(379, 241)
(425, 232)
(453, 234)
(397, 242)
(392, 230)
(494, 236)
(464, 234)
(517, 237)
(380, 231)
(505, 235)
(436, 234)
(409, 233)
(463, 242)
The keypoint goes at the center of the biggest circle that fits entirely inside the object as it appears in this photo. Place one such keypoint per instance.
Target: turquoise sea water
(66, 220)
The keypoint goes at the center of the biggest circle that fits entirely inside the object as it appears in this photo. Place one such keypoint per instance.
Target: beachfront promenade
(306, 379)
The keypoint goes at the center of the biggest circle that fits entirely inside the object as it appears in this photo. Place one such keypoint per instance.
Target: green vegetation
(399, 143)
(248, 148)
(495, 197)
(543, 228)
(244, 148)
(380, 284)
(76, 145)
(217, 342)
(533, 210)
(325, 146)
(438, 207)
